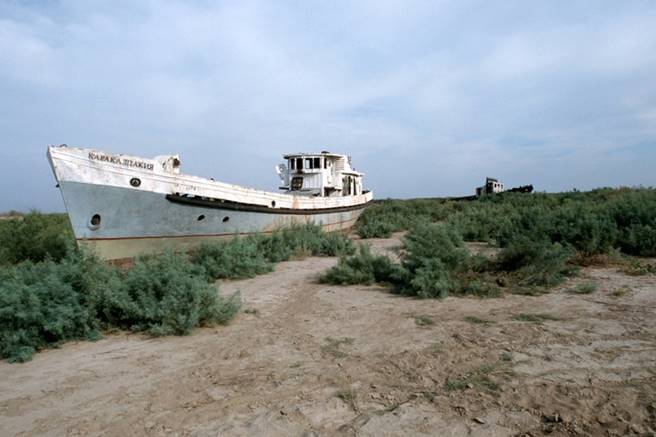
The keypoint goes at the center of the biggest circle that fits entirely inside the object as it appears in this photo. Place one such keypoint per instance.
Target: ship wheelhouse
(322, 174)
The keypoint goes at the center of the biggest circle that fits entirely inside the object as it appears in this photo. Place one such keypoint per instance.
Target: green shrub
(521, 253)
(479, 263)
(482, 222)
(634, 212)
(639, 239)
(35, 237)
(335, 244)
(591, 222)
(304, 240)
(539, 235)
(387, 216)
(164, 295)
(537, 263)
(376, 228)
(254, 255)
(275, 247)
(236, 259)
(309, 239)
(433, 254)
(430, 279)
(586, 227)
(44, 304)
(361, 268)
(434, 241)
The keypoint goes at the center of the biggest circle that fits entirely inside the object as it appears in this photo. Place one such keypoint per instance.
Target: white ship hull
(123, 206)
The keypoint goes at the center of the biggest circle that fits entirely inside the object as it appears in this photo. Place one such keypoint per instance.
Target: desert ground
(304, 359)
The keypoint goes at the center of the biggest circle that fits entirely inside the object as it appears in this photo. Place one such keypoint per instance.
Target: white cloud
(24, 56)
(459, 90)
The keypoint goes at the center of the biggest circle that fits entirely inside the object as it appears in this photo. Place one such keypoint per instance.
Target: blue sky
(428, 96)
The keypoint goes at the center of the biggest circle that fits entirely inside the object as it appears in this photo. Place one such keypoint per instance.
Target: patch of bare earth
(315, 359)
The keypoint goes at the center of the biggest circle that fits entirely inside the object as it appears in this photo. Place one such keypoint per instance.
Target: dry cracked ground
(304, 358)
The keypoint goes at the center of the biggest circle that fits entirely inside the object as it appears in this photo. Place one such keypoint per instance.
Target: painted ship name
(126, 162)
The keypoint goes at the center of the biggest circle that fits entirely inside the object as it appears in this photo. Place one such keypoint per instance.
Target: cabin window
(299, 163)
(297, 183)
(325, 163)
(317, 162)
(292, 163)
(308, 163)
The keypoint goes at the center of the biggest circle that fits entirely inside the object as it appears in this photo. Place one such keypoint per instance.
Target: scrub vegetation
(254, 255)
(590, 222)
(52, 292)
(35, 237)
(43, 304)
(542, 239)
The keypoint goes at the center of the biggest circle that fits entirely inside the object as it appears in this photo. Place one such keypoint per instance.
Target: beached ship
(122, 206)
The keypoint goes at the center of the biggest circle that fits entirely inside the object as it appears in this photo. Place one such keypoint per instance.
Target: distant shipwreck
(493, 186)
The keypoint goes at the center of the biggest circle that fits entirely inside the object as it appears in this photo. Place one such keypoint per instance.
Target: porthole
(94, 223)
(201, 217)
(273, 204)
(225, 219)
(135, 182)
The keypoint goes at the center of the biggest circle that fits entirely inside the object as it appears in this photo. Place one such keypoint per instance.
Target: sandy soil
(312, 359)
